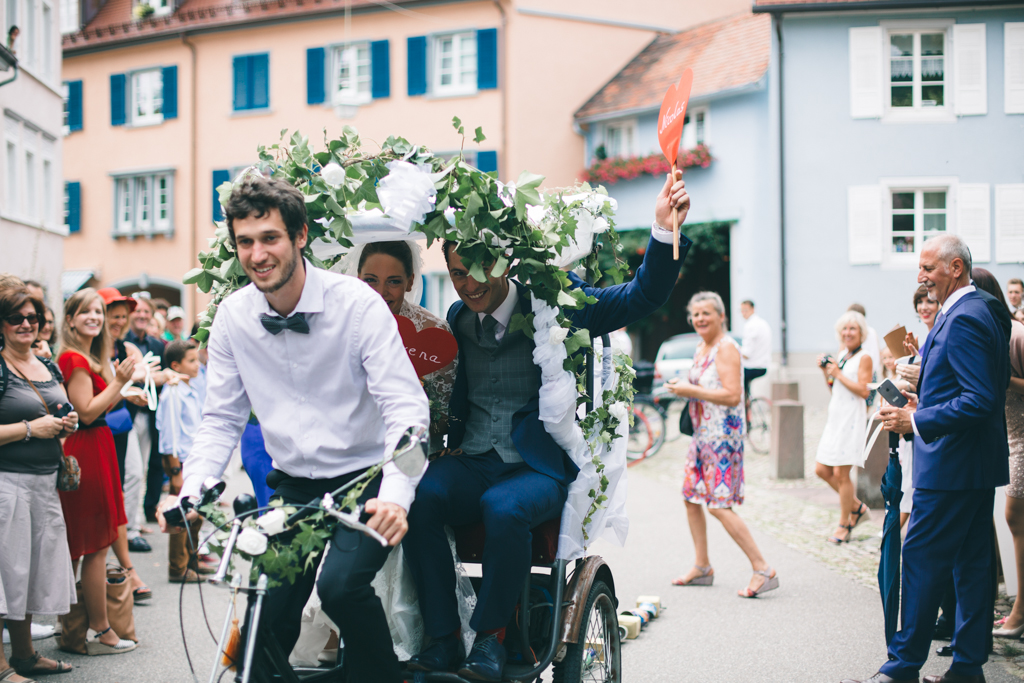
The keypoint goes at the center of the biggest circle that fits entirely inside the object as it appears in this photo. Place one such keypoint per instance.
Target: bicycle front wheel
(655, 420)
(759, 426)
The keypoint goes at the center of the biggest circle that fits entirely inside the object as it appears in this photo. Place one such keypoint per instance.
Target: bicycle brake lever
(351, 520)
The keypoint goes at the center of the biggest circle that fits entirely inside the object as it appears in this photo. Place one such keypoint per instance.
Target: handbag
(119, 420)
(69, 474)
(75, 624)
(685, 421)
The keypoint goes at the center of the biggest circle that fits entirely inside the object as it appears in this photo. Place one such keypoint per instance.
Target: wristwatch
(28, 431)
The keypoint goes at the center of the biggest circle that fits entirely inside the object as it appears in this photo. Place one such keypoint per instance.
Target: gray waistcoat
(500, 383)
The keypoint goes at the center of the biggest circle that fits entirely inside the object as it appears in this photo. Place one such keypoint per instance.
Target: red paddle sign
(673, 114)
(430, 349)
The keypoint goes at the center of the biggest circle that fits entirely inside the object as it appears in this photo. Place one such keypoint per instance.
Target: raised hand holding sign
(429, 349)
(670, 132)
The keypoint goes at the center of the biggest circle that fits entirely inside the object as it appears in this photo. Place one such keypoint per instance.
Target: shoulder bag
(69, 474)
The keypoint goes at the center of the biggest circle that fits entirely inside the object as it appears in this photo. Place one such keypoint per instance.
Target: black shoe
(486, 661)
(943, 629)
(954, 677)
(139, 545)
(444, 654)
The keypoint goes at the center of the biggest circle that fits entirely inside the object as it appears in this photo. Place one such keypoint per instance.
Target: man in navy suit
(960, 457)
(511, 474)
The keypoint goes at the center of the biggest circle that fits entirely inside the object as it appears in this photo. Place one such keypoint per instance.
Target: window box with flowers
(609, 171)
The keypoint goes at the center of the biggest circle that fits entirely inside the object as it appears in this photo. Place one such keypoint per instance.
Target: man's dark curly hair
(256, 196)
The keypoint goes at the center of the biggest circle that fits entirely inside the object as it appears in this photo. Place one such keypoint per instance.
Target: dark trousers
(749, 375)
(121, 446)
(510, 499)
(949, 532)
(155, 475)
(345, 592)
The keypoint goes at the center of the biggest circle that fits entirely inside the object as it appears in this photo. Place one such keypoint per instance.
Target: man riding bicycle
(318, 358)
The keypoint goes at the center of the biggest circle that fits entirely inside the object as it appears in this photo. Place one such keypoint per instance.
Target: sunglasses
(16, 320)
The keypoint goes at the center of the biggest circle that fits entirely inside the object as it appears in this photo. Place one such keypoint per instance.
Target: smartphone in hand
(892, 394)
(65, 409)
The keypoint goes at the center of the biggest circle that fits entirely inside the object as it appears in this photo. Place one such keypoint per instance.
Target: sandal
(839, 541)
(95, 647)
(30, 666)
(770, 583)
(862, 511)
(6, 674)
(706, 578)
(142, 593)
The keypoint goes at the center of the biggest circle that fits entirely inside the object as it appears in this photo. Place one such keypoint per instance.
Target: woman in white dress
(842, 442)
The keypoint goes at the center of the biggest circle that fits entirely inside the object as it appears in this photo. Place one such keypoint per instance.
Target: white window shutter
(1013, 67)
(866, 69)
(973, 220)
(865, 223)
(969, 69)
(1010, 223)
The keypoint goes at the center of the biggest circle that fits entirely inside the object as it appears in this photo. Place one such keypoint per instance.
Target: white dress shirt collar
(503, 314)
(311, 300)
(956, 296)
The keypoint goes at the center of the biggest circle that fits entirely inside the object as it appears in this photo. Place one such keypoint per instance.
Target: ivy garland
(496, 225)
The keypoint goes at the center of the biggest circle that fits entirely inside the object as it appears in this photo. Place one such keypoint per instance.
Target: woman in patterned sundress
(714, 463)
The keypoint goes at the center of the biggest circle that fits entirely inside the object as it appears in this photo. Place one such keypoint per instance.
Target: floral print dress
(714, 463)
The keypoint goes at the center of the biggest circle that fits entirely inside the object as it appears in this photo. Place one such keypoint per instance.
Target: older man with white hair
(960, 457)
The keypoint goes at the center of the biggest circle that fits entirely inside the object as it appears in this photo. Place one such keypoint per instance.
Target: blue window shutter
(74, 193)
(423, 295)
(219, 178)
(315, 75)
(75, 105)
(117, 92)
(487, 59)
(241, 94)
(170, 92)
(260, 91)
(417, 74)
(487, 161)
(380, 69)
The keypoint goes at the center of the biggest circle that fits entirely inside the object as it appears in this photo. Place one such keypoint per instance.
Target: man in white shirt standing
(757, 345)
(1014, 293)
(318, 358)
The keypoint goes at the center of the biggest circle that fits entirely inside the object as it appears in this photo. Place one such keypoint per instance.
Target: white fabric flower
(618, 411)
(557, 335)
(333, 174)
(251, 542)
(272, 523)
(406, 193)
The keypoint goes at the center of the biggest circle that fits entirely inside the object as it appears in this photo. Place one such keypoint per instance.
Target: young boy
(177, 419)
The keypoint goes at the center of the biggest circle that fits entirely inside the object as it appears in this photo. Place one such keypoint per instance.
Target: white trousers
(135, 469)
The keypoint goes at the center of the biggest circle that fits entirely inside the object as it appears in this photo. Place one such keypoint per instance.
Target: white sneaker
(39, 632)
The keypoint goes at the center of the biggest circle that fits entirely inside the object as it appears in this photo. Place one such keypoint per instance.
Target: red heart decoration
(429, 349)
(673, 115)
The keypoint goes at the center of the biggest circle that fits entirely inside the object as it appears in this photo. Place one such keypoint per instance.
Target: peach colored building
(174, 103)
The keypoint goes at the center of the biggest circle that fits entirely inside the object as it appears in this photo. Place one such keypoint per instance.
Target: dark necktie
(488, 339)
(275, 324)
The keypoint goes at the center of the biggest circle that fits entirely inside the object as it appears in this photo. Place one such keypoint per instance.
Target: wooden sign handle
(675, 222)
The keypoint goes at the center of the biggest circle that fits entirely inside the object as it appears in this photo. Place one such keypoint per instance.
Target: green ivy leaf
(193, 276)
(457, 125)
(479, 136)
(499, 267)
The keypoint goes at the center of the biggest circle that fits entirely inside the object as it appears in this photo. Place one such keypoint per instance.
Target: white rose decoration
(272, 523)
(618, 411)
(557, 335)
(333, 174)
(251, 542)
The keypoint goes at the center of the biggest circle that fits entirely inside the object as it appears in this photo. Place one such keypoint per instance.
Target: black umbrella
(889, 565)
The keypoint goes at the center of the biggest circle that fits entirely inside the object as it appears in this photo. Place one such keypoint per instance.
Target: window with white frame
(454, 64)
(143, 204)
(48, 197)
(29, 36)
(69, 16)
(147, 97)
(29, 155)
(31, 197)
(620, 139)
(917, 69)
(694, 128)
(917, 215)
(13, 199)
(350, 78)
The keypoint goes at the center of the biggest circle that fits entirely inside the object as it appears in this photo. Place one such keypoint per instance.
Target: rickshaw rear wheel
(597, 655)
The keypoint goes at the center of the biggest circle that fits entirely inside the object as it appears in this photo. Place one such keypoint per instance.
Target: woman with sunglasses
(94, 512)
(35, 568)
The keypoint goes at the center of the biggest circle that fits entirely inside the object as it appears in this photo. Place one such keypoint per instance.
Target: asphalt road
(819, 627)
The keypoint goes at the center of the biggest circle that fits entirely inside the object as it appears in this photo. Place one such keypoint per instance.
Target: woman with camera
(35, 566)
(842, 442)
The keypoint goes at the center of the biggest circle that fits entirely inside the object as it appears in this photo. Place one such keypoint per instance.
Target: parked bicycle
(759, 423)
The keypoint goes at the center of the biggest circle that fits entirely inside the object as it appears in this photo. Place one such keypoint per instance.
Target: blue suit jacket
(964, 375)
(616, 306)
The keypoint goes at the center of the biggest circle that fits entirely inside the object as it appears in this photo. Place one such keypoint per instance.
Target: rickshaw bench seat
(469, 542)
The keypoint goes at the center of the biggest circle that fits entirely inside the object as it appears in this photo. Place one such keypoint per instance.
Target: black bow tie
(275, 324)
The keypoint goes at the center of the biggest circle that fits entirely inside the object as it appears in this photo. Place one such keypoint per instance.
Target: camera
(825, 360)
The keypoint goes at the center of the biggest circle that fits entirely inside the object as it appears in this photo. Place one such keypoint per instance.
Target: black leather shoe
(943, 629)
(486, 661)
(882, 678)
(954, 677)
(444, 654)
(139, 545)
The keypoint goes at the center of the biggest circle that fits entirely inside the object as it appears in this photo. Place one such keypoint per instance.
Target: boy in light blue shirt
(177, 419)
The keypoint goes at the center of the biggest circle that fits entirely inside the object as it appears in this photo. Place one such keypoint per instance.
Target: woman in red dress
(93, 512)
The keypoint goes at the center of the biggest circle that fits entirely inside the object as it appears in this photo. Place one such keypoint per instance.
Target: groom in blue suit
(511, 474)
(960, 457)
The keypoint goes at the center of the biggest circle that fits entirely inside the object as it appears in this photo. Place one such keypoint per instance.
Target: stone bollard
(785, 391)
(787, 439)
(869, 478)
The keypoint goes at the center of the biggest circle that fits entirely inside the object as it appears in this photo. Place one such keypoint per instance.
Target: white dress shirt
(946, 305)
(757, 342)
(503, 314)
(330, 402)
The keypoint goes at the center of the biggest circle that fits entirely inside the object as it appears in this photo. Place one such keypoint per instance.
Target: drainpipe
(503, 85)
(11, 79)
(192, 172)
(777, 19)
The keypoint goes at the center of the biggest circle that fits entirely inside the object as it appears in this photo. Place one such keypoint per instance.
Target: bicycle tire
(759, 427)
(640, 438)
(656, 422)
